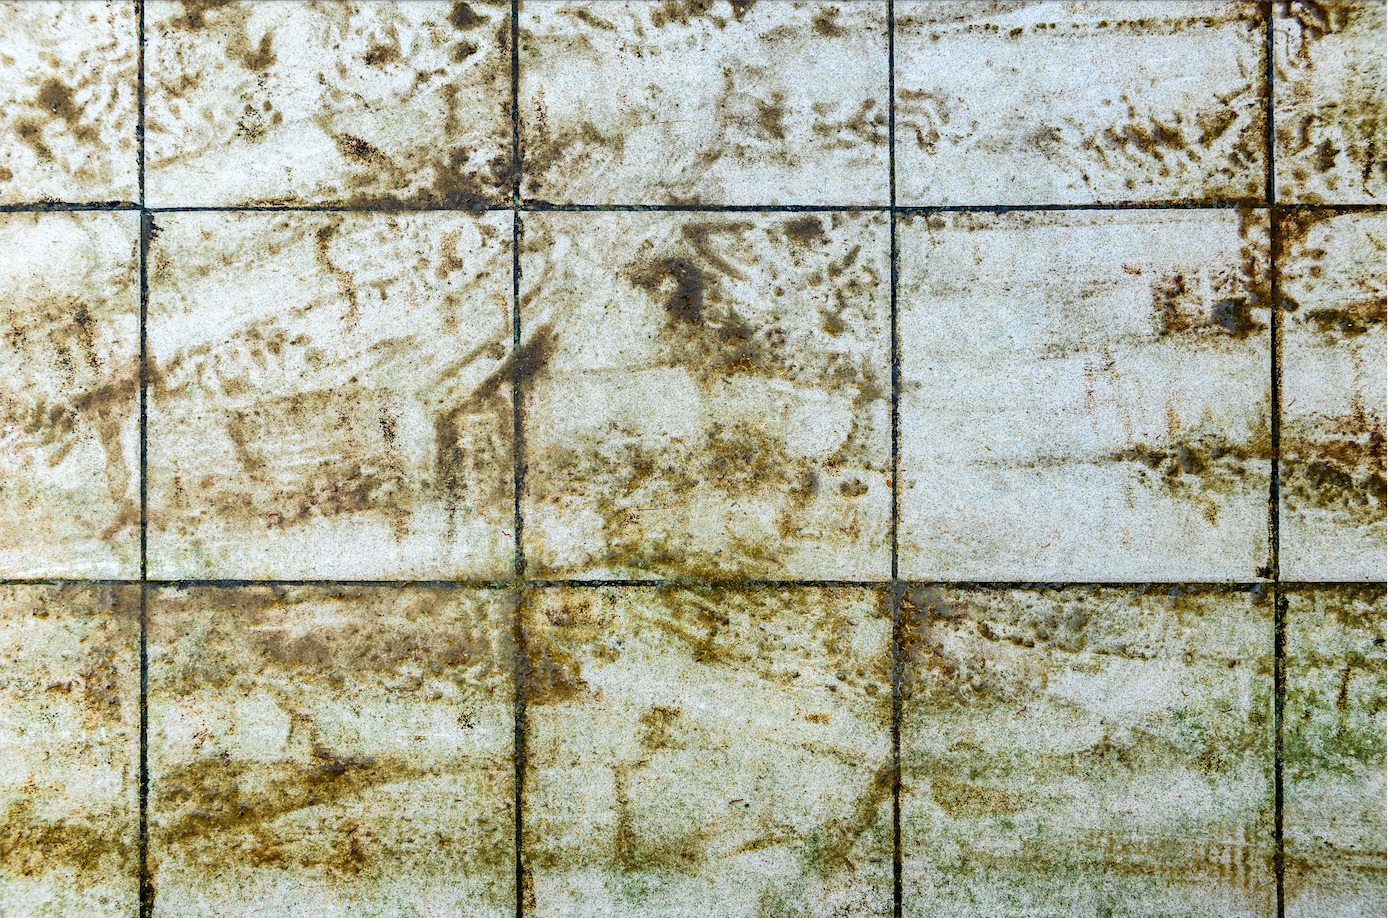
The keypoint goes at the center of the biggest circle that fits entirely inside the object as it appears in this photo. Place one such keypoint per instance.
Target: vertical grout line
(1279, 627)
(518, 475)
(896, 466)
(145, 887)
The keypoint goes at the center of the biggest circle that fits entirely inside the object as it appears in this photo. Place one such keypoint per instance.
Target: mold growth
(815, 667)
(1330, 117)
(789, 309)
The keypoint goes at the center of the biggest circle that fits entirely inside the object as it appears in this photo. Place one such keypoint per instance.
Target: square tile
(70, 729)
(330, 396)
(701, 752)
(1085, 396)
(331, 751)
(68, 123)
(1331, 288)
(707, 395)
(1087, 751)
(69, 395)
(711, 103)
(1329, 101)
(367, 104)
(1333, 823)
(1062, 103)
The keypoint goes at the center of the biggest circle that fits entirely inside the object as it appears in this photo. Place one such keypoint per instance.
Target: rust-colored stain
(474, 458)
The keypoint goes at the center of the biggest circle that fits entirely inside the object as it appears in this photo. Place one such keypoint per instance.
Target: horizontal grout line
(744, 582)
(544, 207)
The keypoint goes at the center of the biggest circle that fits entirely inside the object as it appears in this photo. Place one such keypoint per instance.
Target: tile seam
(145, 887)
(518, 700)
(894, 596)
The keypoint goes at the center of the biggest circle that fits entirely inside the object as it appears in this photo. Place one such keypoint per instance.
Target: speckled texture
(1332, 292)
(1330, 101)
(331, 751)
(707, 395)
(702, 752)
(368, 104)
(68, 102)
(1334, 772)
(715, 103)
(1087, 752)
(315, 411)
(70, 768)
(1059, 103)
(69, 395)
(1085, 396)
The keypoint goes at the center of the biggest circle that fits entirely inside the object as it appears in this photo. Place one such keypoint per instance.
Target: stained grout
(1275, 434)
(146, 884)
(896, 588)
(747, 583)
(518, 700)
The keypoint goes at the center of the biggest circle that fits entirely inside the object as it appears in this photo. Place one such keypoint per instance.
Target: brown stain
(1352, 113)
(970, 801)
(1337, 465)
(33, 845)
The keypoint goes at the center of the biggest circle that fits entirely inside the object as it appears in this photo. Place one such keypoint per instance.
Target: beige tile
(705, 752)
(330, 396)
(1059, 103)
(1329, 101)
(69, 105)
(1333, 823)
(715, 103)
(707, 395)
(331, 751)
(69, 395)
(1331, 286)
(70, 765)
(364, 103)
(1087, 752)
(1085, 396)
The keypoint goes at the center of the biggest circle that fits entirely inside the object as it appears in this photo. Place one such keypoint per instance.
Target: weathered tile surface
(1329, 101)
(333, 752)
(707, 395)
(365, 104)
(1087, 752)
(1334, 740)
(701, 752)
(1058, 103)
(69, 102)
(69, 395)
(1331, 287)
(1085, 396)
(69, 751)
(330, 396)
(716, 103)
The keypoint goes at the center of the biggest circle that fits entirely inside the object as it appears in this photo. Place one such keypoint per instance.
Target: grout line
(145, 881)
(1190, 586)
(1279, 663)
(542, 207)
(518, 748)
(896, 588)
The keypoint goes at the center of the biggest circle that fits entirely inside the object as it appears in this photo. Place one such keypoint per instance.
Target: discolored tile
(331, 751)
(707, 395)
(367, 104)
(1061, 103)
(1087, 751)
(69, 395)
(699, 752)
(714, 103)
(1334, 759)
(1329, 101)
(70, 78)
(330, 396)
(1331, 288)
(1085, 396)
(70, 730)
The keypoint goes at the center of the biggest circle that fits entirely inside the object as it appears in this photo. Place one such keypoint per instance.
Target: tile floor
(692, 458)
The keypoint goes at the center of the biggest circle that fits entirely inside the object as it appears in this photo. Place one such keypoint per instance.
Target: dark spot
(1234, 317)
(262, 57)
(380, 55)
(463, 17)
(55, 97)
(462, 51)
(355, 148)
(805, 230)
(826, 22)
